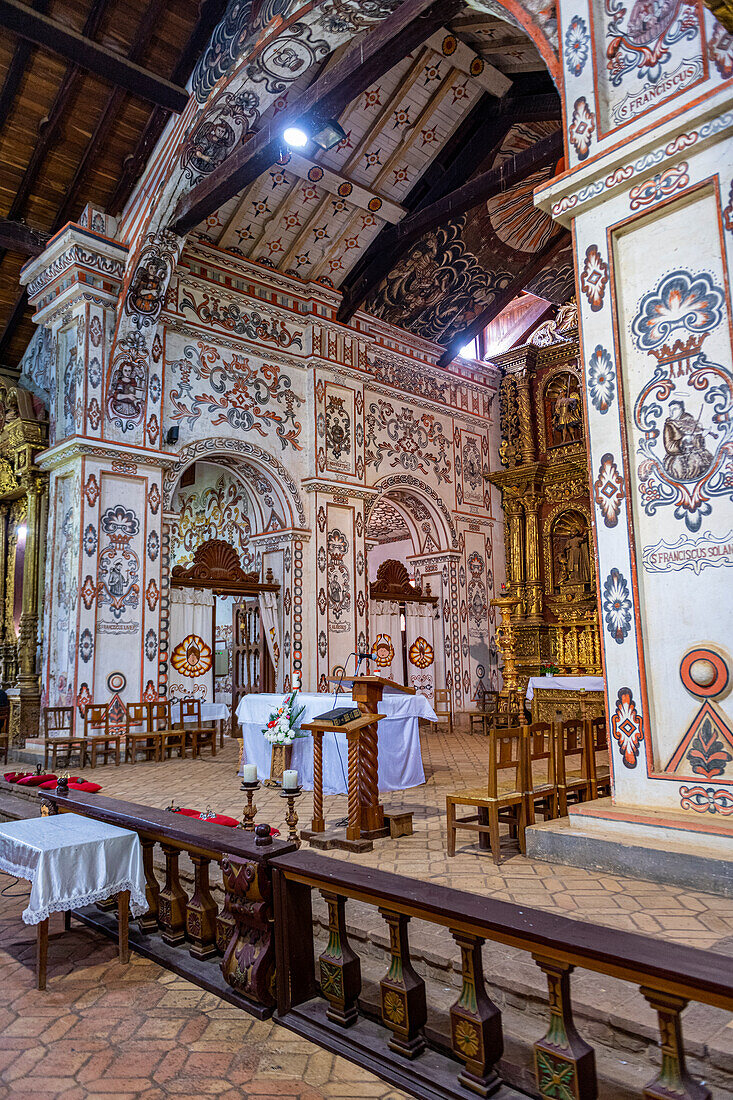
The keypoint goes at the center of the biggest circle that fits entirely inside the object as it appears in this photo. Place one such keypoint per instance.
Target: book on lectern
(339, 716)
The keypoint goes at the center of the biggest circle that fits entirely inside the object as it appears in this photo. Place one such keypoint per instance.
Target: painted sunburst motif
(514, 217)
(192, 656)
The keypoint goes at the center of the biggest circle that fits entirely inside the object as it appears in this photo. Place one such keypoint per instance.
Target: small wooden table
(73, 861)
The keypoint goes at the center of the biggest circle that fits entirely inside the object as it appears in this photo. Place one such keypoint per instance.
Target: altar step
(695, 852)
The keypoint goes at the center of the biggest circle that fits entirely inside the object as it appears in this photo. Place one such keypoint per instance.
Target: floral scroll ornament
(617, 606)
(706, 800)
(608, 490)
(577, 46)
(626, 727)
(601, 379)
(684, 411)
(594, 277)
(582, 127)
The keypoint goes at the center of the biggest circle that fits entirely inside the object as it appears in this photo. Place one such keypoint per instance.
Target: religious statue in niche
(563, 410)
(570, 553)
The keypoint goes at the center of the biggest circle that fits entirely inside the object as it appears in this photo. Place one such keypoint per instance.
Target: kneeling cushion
(36, 780)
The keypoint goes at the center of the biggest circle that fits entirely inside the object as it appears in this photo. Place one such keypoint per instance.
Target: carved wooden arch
(216, 565)
(393, 583)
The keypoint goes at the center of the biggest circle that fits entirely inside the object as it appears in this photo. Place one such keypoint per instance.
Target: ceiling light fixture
(330, 134)
(295, 136)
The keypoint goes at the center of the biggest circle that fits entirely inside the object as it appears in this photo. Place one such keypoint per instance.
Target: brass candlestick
(250, 810)
(291, 793)
(505, 638)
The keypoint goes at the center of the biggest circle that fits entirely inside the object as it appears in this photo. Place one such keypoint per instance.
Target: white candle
(249, 773)
(290, 779)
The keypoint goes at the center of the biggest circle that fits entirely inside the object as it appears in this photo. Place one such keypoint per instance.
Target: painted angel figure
(686, 456)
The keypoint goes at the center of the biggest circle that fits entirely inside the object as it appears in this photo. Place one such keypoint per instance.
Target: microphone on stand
(361, 657)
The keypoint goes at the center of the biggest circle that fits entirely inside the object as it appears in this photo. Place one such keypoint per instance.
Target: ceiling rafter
(395, 239)
(377, 52)
(535, 265)
(19, 237)
(16, 70)
(57, 37)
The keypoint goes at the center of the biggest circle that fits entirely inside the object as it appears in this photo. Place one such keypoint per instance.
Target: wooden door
(252, 669)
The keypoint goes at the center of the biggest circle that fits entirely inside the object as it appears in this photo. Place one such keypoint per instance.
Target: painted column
(30, 696)
(649, 197)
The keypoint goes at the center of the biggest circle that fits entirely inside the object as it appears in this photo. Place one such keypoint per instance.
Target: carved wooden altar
(547, 510)
(23, 525)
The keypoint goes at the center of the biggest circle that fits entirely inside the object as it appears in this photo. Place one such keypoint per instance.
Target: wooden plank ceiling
(437, 118)
(68, 137)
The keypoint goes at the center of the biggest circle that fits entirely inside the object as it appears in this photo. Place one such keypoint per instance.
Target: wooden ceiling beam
(395, 239)
(28, 23)
(109, 113)
(368, 60)
(538, 261)
(16, 71)
(210, 14)
(16, 315)
(17, 237)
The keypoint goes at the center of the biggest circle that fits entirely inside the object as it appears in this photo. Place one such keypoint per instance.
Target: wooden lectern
(365, 811)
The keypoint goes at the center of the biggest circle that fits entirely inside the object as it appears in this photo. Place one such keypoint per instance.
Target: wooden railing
(228, 950)
(265, 935)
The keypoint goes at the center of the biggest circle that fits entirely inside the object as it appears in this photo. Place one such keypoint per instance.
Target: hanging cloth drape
(271, 629)
(420, 648)
(386, 639)
(191, 672)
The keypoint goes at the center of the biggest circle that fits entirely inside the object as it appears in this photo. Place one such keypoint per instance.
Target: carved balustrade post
(565, 1064)
(172, 900)
(249, 960)
(148, 922)
(339, 966)
(404, 1007)
(475, 1022)
(673, 1081)
(526, 423)
(201, 912)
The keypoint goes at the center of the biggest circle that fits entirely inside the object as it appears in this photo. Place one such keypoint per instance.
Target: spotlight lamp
(295, 136)
(330, 134)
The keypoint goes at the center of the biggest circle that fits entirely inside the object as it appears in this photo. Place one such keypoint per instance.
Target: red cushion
(188, 813)
(13, 777)
(35, 780)
(222, 819)
(85, 785)
(48, 785)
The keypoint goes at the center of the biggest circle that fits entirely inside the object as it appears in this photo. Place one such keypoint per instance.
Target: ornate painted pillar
(649, 196)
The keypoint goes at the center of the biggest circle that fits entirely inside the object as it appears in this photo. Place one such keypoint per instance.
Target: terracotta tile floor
(102, 1031)
(452, 761)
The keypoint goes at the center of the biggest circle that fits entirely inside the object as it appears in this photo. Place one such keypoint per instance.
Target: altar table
(72, 861)
(548, 693)
(400, 759)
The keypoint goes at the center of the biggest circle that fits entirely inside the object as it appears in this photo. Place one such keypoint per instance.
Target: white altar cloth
(565, 683)
(400, 759)
(72, 861)
(212, 712)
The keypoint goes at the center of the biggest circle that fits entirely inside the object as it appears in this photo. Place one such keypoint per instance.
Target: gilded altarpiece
(23, 516)
(547, 513)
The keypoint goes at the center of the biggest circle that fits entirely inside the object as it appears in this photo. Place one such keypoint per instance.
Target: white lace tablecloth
(400, 758)
(212, 712)
(564, 683)
(72, 861)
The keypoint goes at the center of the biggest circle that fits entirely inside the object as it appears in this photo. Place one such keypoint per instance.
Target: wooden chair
(571, 744)
(540, 771)
(58, 736)
(171, 734)
(141, 738)
(600, 774)
(442, 707)
(502, 801)
(197, 735)
(96, 717)
(487, 704)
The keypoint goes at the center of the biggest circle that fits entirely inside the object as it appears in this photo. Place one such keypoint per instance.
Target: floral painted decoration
(577, 45)
(582, 127)
(617, 605)
(594, 277)
(601, 379)
(281, 729)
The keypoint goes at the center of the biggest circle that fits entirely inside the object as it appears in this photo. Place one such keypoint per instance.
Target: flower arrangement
(280, 729)
(549, 670)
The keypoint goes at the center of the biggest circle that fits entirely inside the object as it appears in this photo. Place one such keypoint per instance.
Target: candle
(290, 779)
(249, 773)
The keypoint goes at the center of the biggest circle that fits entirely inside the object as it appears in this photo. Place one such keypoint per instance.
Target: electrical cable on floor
(4, 892)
